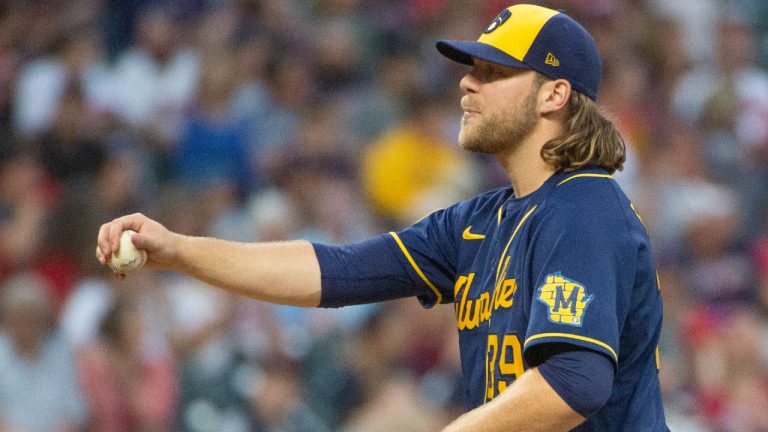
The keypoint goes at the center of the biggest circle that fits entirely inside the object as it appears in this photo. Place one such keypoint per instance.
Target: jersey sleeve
(581, 272)
(428, 250)
(369, 271)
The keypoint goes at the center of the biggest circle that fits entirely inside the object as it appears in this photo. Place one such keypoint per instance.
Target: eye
(487, 72)
(497, 72)
(482, 72)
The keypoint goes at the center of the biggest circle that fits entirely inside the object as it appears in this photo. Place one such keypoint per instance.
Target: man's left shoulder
(588, 187)
(588, 199)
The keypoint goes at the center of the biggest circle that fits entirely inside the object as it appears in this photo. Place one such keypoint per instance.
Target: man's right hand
(161, 245)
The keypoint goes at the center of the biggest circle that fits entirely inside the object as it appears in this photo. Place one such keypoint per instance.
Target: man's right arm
(284, 272)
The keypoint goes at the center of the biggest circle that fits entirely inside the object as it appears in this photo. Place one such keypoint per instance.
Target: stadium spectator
(38, 383)
(127, 386)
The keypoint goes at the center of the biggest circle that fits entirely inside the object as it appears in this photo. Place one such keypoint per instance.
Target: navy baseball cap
(534, 37)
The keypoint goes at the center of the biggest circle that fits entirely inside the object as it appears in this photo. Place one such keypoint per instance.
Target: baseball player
(556, 296)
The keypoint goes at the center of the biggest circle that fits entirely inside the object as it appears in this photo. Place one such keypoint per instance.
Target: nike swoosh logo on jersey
(469, 235)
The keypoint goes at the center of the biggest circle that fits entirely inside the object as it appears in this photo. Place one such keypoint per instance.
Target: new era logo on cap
(539, 38)
(552, 60)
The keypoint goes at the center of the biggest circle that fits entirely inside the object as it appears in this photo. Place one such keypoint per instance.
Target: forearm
(284, 273)
(529, 404)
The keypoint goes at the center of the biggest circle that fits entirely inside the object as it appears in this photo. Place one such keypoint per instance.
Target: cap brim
(465, 51)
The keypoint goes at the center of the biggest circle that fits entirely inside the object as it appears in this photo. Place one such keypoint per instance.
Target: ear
(554, 96)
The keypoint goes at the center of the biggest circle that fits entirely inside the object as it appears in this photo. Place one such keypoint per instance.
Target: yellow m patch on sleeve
(566, 299)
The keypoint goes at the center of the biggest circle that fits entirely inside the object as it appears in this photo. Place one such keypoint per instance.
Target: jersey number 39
(509, 355)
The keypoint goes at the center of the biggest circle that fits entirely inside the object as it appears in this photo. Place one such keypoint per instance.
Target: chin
(466, 138)
(479, 143)
(464, 142)
(472, 145)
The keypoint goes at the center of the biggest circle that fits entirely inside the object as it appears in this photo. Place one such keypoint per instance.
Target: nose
(468, 84)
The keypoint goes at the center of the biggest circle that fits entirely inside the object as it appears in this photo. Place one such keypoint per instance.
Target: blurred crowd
(334, 120)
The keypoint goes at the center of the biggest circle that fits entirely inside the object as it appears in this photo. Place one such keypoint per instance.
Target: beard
(502, 131)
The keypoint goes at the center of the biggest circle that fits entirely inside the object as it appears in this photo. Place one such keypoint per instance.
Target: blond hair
(590, 139)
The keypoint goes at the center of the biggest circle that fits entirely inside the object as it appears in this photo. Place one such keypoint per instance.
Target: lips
(469, 112)
(468, 115)
(468, 107)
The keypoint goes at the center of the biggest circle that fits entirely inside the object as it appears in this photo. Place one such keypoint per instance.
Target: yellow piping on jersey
(498, 216)
(577, 337)
(585, 175)
(658, 358)
(416, 267)
(636, 213)
(517, 228)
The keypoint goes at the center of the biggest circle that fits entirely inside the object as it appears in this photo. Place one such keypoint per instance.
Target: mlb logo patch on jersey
(566, 299)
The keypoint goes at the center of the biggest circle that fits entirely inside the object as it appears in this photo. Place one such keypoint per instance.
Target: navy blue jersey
(569, 263)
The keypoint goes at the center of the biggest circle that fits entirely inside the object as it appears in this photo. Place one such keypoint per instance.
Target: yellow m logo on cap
(519, 31)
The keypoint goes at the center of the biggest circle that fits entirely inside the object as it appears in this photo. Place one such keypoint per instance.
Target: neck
(523, 164)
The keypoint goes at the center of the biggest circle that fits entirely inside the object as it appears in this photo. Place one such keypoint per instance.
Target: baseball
(127, 258)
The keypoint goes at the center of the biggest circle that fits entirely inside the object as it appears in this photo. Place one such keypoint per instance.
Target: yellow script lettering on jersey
(470, 313)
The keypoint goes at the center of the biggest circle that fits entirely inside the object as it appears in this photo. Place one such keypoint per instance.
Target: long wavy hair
(590, 140)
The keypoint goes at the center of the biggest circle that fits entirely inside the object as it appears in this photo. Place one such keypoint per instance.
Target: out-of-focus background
(334, 120)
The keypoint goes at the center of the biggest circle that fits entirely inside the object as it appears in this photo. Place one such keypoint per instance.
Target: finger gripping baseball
(127, 258)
